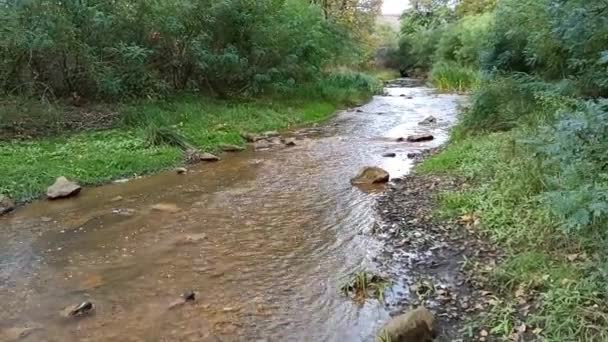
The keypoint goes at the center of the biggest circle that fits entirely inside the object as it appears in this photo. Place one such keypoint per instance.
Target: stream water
(264, 238)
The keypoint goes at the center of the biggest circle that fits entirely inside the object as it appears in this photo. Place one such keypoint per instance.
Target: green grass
(504, 186)
(152, 134)
(454, 77)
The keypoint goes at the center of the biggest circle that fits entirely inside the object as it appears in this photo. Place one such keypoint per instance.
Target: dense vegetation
(533, 143)
(198, 71)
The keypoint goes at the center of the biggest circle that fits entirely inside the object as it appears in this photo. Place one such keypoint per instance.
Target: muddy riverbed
(265, 239)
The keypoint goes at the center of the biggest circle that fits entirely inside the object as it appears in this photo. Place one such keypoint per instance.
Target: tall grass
(454, 77)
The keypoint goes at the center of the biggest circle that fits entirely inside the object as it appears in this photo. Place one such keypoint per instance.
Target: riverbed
(265, 239)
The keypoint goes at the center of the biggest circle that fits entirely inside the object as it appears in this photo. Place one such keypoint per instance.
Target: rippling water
(280, 230)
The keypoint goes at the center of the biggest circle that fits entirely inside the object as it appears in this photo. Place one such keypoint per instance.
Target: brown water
(281, 229)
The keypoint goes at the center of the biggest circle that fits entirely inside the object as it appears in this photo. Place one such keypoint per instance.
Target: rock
(360, 110)
(271, 134)
(166, 207)
(275, 141)
(6, 205)
(371, 175)
(191, 238)
(117, 199)
(186, 297)
(81, 309)
(389, 155)
(431, 120)
(412, 155)
(181, 170)
(400, 139)
(126, 212)
(402, 95)
(250, 137)
(231, 148)
(414, 326)
(46, 219)
(208, 157)
(290, 142)
(189, 296)
(420, 137)
(121, 181)
(261, 145)
(62, 188)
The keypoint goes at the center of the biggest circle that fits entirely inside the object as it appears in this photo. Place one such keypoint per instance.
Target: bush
(140, 48)
(454, 77)
(573, 151)
(503, 102)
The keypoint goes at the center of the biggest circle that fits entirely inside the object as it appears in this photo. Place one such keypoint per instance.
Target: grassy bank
(552, 279)
(27, 167)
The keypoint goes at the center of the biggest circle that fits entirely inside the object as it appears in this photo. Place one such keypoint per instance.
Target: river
(264, 238)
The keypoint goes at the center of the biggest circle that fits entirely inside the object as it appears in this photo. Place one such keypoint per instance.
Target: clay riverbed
(264, 238)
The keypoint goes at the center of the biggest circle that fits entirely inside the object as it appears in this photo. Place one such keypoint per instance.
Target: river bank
(465, 236)
(148, 137)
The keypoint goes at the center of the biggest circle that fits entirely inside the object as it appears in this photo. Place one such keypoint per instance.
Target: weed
(454, 77)
(362, 285)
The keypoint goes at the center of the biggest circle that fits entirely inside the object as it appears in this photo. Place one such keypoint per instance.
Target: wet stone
(6, 205)
(82, 309)
(420, 138)
(62, 188)
(389, 155)
(371, 175)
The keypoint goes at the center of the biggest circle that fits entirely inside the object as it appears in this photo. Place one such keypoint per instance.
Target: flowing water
(264, 238)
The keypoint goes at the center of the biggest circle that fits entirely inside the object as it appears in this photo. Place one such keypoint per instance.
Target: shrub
(454, 77)
(140, 48)
(573, 151)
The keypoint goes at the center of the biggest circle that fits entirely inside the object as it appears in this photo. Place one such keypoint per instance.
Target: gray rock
(290, 142)
(250, 137)
(389, 155)
(208, 157)
(431, 120)
(420, 137)
(181, 170)
(261, 145)
(231, 148)
(371, 175)
(62, 188)
(81, 309)
(414, 326)
(271, 134)
(6, 205)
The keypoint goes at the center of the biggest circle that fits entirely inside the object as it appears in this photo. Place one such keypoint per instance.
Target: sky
(394, 6)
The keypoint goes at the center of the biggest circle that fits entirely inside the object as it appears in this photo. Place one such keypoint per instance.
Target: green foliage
(141, 48)
(454, 77)
(501, 103)
(573, 151)
(153, 133)
(159, 136)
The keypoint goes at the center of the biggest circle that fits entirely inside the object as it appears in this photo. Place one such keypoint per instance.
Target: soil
(426, 254)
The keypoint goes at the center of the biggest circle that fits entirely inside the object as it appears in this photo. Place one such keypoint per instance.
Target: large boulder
(6, 205)
(62, 188)
(371, 175)
(414, 326)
